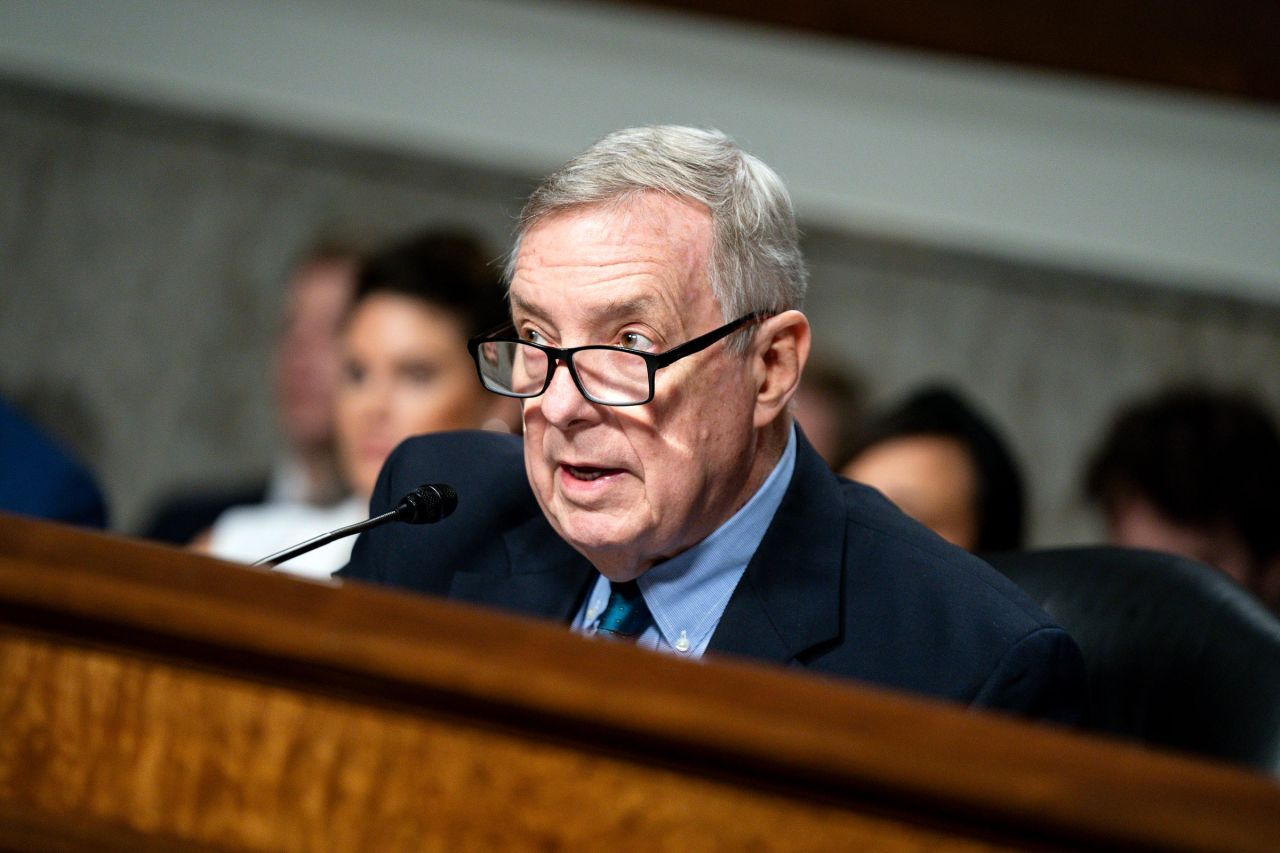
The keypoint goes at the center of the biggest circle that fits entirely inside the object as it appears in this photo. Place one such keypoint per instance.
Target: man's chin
(599, 537)
(594, 536)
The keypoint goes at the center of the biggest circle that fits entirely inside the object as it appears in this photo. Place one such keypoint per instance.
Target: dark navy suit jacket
(843, 583)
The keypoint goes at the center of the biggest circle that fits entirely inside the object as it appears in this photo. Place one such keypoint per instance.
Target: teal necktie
(626, 615)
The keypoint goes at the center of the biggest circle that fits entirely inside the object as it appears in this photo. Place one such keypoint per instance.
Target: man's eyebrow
(519, 304)
(633, 307)
(629, 307)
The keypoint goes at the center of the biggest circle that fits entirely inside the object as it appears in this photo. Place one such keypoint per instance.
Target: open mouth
(587, 473)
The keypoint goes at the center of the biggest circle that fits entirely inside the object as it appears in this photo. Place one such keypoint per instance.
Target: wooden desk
(152, 699)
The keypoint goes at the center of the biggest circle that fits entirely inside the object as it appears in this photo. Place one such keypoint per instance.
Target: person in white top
(405, 371)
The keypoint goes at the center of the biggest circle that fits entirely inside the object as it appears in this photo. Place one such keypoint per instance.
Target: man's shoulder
(486, 470)
(477, 456)
(888, 545)
(942, 621)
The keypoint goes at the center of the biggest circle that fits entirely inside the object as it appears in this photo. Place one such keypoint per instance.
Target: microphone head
(427, 504)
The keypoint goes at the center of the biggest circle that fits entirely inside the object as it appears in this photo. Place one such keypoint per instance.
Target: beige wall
(1133, 180)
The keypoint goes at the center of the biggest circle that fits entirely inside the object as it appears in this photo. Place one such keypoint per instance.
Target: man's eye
(636, 341)
(533, 336)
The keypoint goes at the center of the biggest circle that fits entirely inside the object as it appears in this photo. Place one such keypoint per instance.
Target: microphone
(426, 504)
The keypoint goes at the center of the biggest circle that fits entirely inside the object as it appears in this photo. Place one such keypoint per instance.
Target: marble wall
(142, 253)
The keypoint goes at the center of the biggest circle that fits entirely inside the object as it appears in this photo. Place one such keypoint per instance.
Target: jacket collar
(790, 596)
(787, 602)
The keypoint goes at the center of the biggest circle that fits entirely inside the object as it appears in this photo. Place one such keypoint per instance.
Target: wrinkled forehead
(647, 261)
(646, 232)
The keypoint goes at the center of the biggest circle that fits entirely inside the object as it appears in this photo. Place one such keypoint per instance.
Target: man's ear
(779, 352)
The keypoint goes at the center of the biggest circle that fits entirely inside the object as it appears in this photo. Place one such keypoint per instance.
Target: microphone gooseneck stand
(426, 504)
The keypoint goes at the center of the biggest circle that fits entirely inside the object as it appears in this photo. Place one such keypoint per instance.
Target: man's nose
(562, 403)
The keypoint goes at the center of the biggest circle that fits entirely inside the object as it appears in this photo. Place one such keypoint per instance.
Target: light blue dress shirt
(687, 594)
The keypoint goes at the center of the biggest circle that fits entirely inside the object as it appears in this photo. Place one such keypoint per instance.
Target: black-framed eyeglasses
(609, 375)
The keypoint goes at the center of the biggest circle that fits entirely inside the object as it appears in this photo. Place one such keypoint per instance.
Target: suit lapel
(789, 598)
(544, 576)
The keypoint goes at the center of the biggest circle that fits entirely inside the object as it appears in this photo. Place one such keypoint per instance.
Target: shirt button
(682, 644)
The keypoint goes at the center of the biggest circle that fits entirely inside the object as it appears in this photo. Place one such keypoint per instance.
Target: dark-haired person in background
(1195, 471)
(944, 465)
(405, 371)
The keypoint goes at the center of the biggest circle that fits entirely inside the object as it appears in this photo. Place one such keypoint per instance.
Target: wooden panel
(150, 691)
(244, 765)
(1231, 47)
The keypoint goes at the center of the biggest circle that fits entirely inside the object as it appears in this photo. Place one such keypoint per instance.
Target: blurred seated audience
(304, 375)
(39, 478)
(1194, 471)
(405, 371)
(830, 405)
(944, 465)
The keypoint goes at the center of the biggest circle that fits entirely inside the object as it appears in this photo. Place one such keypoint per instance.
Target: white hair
(755, 262)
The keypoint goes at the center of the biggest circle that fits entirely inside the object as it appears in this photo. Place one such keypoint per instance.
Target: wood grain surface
(149, 693)
(243, 765)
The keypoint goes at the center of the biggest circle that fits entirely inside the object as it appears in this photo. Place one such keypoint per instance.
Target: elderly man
(666, 495)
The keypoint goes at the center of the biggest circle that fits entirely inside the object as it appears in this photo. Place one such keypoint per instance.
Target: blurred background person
(304, 376)
(947, 467)
(1194, 471)
(39, 478)
(830, 405)
(405, 370)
